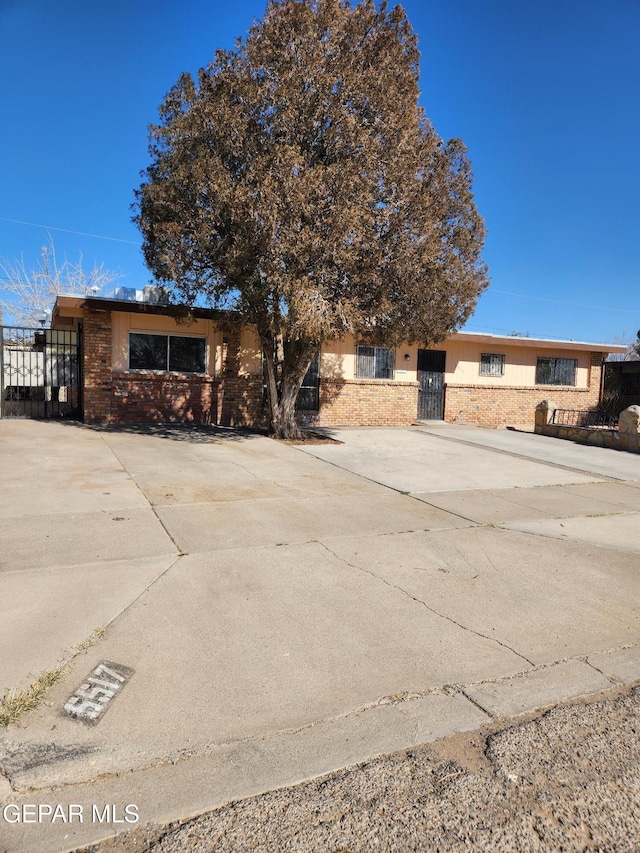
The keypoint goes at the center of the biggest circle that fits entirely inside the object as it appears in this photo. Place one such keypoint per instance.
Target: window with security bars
(491, 364)
(172, 353)
(556, 371)
(308, 399)
(374, 363)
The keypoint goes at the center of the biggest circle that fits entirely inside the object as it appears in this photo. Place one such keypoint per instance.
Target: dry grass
(16, 703)
(98, 634)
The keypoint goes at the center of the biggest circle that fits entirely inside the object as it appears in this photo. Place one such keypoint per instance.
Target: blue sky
(545, 95)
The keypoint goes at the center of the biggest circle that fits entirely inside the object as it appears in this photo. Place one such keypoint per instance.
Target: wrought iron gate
(40, 373)
(431, 365)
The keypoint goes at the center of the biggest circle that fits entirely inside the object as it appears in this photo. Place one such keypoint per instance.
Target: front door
(431, 365)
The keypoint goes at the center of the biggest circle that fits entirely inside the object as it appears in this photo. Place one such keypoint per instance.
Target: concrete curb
(189, 785)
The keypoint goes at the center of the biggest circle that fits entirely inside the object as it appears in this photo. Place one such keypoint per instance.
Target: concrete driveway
(282, 611)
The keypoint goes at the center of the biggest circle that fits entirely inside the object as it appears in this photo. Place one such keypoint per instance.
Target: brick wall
(96, 366)
(365, 402)
(596, 374)
(163, 398)
(241, 401)
(499, 405)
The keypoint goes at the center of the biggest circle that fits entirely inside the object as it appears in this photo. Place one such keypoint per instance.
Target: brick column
(96, 366)
(596, 378)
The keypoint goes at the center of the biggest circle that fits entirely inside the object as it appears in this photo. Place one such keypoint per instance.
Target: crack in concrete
(402, 492)
(244, 468)
(633, 484)
(416, 497)
(597, 669)
(475, 702)
(568, 488)
(4, 777)
(425, 605)
(72, 566)
(179, 550)
(301, 542)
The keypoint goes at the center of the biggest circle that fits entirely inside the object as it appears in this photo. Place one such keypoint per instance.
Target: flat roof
(101, 303)
(541, 343)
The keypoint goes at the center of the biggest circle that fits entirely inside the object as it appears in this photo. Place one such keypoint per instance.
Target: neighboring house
(143, 363)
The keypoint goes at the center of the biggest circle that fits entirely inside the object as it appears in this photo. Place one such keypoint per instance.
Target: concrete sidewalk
(289, 611)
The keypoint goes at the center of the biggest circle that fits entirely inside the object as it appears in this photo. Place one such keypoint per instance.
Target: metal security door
(431, 364)
(39, 373)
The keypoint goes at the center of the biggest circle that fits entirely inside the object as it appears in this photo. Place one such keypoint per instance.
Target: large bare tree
(27, 294)
(299, 182)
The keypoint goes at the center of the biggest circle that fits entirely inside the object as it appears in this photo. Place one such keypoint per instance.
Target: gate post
(44, 374)
(544, 415)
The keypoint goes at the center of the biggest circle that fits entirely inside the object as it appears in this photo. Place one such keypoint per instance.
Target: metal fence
(39, 373)
(584, 418)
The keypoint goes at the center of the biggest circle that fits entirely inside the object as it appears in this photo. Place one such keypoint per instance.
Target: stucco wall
(338, 361)
(123, 323)
(250, 353)
(463, 364)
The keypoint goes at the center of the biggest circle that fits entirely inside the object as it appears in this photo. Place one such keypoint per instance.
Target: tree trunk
(283, 415)
(286, 365)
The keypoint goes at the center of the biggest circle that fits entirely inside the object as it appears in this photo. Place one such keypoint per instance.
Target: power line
(491, 290)
(70, 231)
(511, 332)
(559, 301)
